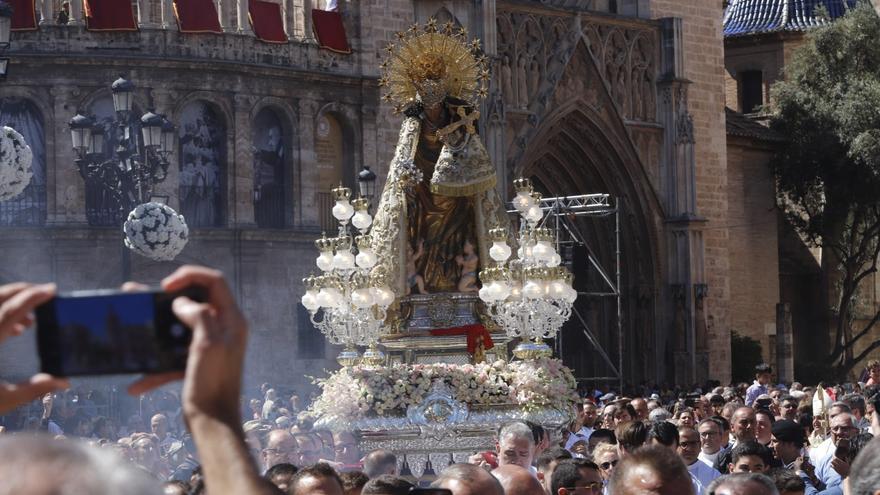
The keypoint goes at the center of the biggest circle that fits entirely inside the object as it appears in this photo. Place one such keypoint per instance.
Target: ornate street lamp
(529, 296)
(350, 295)
(367, 183)
(139, 161)
(123, 90)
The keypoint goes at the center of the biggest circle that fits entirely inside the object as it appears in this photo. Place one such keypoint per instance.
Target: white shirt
(709, 459)
(704, 473)
(818, 453)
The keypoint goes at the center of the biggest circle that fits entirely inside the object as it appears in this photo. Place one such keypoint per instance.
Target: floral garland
(15, 163)
(360, 391)
(156, 231)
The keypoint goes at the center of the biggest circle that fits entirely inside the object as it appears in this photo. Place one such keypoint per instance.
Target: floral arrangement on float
(362, 391)
(156, 231)
(15, 163)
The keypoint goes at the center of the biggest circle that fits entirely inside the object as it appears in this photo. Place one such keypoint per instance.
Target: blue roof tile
(744, 17)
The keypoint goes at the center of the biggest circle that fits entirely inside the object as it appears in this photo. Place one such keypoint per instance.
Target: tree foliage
(828, 172)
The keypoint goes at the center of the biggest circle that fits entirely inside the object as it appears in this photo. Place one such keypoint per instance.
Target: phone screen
(111, 332)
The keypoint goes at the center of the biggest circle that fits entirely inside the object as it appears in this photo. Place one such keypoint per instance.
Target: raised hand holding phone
(17, 303)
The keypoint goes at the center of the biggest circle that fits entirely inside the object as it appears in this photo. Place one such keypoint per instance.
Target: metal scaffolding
(559, 215)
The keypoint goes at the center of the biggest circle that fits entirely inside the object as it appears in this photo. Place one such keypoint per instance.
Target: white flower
(155, 231)
(15, 163)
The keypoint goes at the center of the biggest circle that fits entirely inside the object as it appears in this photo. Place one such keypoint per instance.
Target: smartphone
(841, 451)
(108, 332)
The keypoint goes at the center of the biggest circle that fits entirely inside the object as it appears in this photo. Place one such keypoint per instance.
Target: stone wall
(753, 246)
(704, 63)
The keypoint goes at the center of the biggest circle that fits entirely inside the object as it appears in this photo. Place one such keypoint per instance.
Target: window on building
(752, 82)
(329, 147)
(309, 340)
(269, 169)
(28, 208)
(202, 165)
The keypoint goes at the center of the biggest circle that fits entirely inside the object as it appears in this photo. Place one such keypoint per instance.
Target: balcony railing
(26, 210)
(159, 14)
(325, 216)
(269, 207)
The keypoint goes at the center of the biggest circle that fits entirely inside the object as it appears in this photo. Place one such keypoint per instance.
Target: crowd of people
(213, 439)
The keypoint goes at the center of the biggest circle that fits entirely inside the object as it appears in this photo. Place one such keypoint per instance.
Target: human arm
(17, 303)
(212, 382)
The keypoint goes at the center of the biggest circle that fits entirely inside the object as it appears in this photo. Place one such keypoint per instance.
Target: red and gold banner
(267, 22)
(24, 16)
(478, 338)
(197, 16)
(109, 15)
(330, 31)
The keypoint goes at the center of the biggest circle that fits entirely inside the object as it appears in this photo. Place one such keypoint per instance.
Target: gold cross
(467, 120)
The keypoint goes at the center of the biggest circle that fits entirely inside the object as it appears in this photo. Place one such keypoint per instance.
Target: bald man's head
(468, 479)
(517, 480)
(651, 470)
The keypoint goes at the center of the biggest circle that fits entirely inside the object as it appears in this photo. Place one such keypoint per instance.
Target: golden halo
(429, 57)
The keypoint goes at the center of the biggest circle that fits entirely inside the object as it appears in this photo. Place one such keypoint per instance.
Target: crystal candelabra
(351, 294)
(529, 296)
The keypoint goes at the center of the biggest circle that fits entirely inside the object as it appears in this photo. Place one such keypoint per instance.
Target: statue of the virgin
(439, 199)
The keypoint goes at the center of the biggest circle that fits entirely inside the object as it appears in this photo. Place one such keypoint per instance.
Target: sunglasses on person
(607, 465)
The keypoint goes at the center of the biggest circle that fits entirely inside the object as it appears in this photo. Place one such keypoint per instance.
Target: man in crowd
(281, 474)
(788, 406)
(742, 426)
(515, 445)
(159, 426)
(386, 484)
(763, 423)
(651, 471)
(308, 449)
(709, 430)
(641, 408)
(517, 481)
(576, 476)
(842, 428)
(547, 462)
(320, 479)
(857, 407)
(280, 448)
(763, 373)
(743, 484)
(468, 479)
(347, 452)
(787, 442)
(689, 450)
(379, 462)
(749, 457)
(864, 476)
(588, 417)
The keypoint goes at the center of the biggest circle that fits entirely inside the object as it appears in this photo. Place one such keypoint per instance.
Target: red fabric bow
(478, 338)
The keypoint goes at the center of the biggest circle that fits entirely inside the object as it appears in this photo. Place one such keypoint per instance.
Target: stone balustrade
(159, 37)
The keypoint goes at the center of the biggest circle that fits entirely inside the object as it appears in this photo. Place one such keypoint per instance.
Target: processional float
(434, 281)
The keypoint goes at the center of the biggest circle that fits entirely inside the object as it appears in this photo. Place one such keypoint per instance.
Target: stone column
(145, 15)
(307, 6)
(76, 13)
(243, 163)
(287, 18)
(44, 9)
(678, 191)
(308, 214)
(221, 14)
(167, 10)
(66, 194)
(784, 344)
(244, 27)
